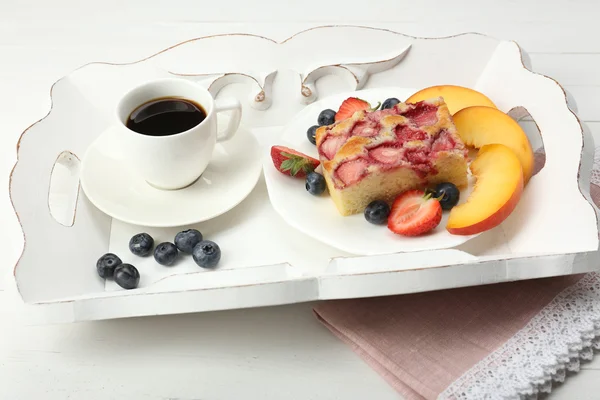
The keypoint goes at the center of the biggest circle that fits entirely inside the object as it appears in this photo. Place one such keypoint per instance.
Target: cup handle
(235, 107)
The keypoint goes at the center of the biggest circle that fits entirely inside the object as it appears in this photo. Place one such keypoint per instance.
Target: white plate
(318, 216)
(118, 191)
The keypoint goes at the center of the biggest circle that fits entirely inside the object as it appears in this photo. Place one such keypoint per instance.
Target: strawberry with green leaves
(291, 162)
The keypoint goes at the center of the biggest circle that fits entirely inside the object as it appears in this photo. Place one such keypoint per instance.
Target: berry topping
(291, 162)
(326, 117)
(443, 142)
(207, 254)
(406, 133)
(387, 155)
(377, 212)
(186, 240)
(315, 183)
(448, 195)
(311, 134)
(165, 253)
(352, 171)
(414, 213)
(106, 265)
(389, 103)
(366, 128)
(127, 276)
(422, 114)
(141, 244)
(331, 145)
(350, 106)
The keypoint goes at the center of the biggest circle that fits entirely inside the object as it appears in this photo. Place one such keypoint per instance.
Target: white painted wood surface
(270, 353)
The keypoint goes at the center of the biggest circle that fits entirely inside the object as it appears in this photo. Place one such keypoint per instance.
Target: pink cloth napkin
(502, 341)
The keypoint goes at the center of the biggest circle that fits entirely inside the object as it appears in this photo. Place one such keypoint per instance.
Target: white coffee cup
(175, 161)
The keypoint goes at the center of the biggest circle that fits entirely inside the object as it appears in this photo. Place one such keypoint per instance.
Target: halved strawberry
(291, 162)
(352, 105)
(414, 213)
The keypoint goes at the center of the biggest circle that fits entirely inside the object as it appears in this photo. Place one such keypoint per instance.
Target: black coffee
(165, 116)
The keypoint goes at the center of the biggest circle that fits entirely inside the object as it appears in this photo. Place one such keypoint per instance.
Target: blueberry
(315, 183)
(311, 134)
(207, 254)
(186, 240)
(389, 103)
(326, 117)
(377, 212)
(165, 253)
(106, 265)
(448, 195)
(141, 244)
(127, 276)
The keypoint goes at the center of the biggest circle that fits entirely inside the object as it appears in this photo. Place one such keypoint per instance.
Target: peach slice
(478, 126)
(496, 193)
(455, 97)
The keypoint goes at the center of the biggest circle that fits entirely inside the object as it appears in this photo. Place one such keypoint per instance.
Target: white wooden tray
(552, 232)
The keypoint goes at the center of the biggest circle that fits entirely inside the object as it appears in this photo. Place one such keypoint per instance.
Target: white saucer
(318, 216)
(113, 187)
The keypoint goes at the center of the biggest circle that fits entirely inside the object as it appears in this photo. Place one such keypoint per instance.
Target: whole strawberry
(291, 162)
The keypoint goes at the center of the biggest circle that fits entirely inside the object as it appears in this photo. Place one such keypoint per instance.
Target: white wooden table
(270, 353)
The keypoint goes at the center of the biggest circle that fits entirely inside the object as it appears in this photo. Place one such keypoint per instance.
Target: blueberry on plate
(207, 254)
(448, 195)
(315, 183)
(141, 244)
(311, 134)
(106, 265)
(165, 253)
(377, 212)
(326, 117)
(389, 103)
(127, 276)
(186, 240)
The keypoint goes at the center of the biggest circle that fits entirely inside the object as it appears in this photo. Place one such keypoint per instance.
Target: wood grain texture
(270, 353)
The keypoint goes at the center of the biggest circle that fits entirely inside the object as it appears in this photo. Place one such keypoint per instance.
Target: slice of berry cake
(380, 154)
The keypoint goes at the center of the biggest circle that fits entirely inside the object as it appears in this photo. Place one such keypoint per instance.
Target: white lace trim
(565, 332)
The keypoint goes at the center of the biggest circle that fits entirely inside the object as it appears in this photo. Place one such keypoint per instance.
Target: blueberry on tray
(127, 276)
(106, 265)
(186, 240)
(141, 244)
(207, 254)
(166, 253)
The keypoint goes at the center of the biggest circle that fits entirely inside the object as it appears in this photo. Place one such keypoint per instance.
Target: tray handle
(565, 178)
(63, 188)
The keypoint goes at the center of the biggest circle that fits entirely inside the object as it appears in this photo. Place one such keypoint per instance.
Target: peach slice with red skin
(478, 126)
(455, 97)
(496, 193)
